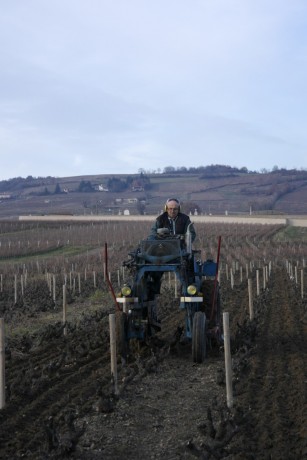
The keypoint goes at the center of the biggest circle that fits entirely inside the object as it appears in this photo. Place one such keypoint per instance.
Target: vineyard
(59, 395)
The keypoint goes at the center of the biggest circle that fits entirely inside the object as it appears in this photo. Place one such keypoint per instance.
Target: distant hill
(210, 190)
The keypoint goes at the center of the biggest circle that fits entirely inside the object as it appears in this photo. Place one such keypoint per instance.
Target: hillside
(210, 192)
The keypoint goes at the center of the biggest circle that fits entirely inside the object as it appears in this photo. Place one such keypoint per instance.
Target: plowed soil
(61, 401)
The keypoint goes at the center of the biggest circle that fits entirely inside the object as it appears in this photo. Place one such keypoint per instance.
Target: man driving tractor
(174, 223)
(173, 219)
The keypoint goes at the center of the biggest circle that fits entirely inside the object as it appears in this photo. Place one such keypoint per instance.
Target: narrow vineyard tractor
(199, 293)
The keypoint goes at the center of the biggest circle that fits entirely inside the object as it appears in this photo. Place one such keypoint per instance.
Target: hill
(211, 190)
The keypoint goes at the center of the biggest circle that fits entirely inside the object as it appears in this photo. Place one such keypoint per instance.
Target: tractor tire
(199, 337)
(121, 335)
(141, 289)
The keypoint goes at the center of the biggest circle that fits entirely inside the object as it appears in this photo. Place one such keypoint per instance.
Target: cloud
(148, 84)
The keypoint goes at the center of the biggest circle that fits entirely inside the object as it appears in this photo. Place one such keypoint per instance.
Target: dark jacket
(182, 222)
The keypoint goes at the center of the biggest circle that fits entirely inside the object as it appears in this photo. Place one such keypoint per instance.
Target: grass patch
(289, 233)
(29, 326)
(66, 251)
(98, 297)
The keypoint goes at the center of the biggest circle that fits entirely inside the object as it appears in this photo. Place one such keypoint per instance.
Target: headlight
(192, 290)
(126, 291)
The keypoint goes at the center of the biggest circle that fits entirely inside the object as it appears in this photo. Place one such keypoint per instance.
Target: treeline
(19, 183)
(208, 171)
(51, 185)
(224, 170)
(141, 180)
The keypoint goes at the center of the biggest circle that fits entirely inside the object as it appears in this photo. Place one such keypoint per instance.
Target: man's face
(172, 209)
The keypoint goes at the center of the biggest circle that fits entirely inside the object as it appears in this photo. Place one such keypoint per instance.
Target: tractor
(199, 293)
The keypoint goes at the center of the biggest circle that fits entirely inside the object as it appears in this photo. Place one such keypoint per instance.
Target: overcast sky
(115, 86)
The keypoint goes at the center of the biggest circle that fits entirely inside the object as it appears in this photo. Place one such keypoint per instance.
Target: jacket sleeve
(192, 229)
(153, 231)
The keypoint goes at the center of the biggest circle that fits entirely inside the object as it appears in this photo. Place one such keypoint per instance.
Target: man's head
(172, 207)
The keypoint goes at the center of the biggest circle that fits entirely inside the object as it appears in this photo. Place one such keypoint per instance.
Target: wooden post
(231, 278)
(49, 282)
(257, 280)
(2, 365)
(251, 265)
(22, 285)
(113, 351)
(220, 271)
(302, 283)
(54, 286)
(228, 367)
(94, 276)
(64, 309)
(79, 282)
(15, 289)
(250, 300)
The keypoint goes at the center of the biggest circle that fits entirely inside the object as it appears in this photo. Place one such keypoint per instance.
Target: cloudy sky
(115, 86)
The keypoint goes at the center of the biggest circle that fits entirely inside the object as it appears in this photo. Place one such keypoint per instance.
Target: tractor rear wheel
(199, 337)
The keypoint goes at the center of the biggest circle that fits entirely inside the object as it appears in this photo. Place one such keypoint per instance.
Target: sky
(117, 86)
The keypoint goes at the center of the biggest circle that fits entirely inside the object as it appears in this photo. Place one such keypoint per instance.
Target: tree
(57, 189)
(116, 185)
(169, 169)
(85, 186)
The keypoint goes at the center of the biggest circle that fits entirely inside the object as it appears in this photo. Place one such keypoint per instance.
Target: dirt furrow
(275, 385)
(44, 393)
(61, 402)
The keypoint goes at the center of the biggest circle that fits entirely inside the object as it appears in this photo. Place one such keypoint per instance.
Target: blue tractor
(199, 293)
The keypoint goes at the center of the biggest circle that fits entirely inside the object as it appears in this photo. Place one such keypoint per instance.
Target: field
(59, 397)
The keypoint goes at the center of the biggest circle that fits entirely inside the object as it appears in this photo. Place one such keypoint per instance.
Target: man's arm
(191, 230)
(153, 231)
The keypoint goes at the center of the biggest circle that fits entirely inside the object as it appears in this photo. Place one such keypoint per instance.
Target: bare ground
(61, 401)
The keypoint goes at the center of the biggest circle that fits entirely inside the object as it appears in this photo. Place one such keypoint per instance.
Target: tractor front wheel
(199, 337)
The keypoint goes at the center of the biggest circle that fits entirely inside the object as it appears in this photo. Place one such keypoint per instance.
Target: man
(177, 222)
